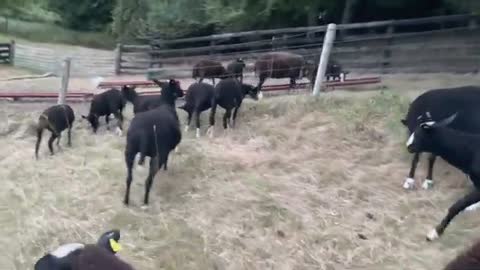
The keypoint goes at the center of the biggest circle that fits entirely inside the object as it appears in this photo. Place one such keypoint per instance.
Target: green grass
(48, 32)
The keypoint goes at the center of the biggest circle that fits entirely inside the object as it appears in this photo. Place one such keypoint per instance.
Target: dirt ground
(302, 183)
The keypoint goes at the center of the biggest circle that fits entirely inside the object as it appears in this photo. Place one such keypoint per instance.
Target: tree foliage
(84, 15)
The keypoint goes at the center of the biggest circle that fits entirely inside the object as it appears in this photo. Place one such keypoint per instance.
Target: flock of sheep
(441, 122)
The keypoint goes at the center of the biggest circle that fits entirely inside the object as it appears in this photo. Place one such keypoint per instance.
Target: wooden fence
(443, 43)
(7, 52)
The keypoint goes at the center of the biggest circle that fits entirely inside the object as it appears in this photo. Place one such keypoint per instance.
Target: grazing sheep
(467, 260)
(229, 94)
(208, 69)
(459, 149)
(145, 103)
(77, 256)
(104, 104)
(155, 134)
(198, 99)
(441, 103)
(279, 65)
(56, 119)
(235, 69)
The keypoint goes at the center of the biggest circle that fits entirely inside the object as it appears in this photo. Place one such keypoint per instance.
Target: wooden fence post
(62, 95)
(118, 59)
(322, 65)
(387, 51)
(12, 52)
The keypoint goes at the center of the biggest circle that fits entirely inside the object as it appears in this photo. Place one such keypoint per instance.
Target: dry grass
(293, 187)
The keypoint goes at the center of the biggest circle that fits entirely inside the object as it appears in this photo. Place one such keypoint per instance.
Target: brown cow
(208, 69)
(279, 65)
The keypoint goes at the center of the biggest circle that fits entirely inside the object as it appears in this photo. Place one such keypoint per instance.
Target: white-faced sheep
(459, 149)
(77, 256)
(198, 99)
(229, 94)
(105, 104)
(56, 119)
(155, 134)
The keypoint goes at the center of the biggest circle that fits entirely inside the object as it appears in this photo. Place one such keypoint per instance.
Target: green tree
(84, 15)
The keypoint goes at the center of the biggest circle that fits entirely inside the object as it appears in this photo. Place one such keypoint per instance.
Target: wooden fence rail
(371, 45)
(7, 52)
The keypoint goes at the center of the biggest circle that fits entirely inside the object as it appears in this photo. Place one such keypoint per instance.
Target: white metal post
(322, 65)
(62, 95)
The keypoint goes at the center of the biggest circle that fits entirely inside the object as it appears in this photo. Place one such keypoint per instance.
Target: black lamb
(198, 99)
(105, 104)
(56, 119)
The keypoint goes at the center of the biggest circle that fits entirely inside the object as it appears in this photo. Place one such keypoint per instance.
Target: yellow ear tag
(115, 245)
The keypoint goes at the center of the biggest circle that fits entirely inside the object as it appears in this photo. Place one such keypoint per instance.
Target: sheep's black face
(251, 91)
(419, 140)
(129, 92)
(109, 240)
(93, 120)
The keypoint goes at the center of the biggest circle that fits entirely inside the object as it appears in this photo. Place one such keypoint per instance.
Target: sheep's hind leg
(151, 175)
(428, 183)
(410, 181)
(50, 142)
(470, 199)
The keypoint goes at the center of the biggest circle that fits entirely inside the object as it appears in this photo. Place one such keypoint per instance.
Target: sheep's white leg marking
(410, 139)
(427, 184)
(473, 207)
(210, 132)
(66, 249)
(432, 235)
(198, 133)
(187, 127)
(409, 183)
(118, 131)
(260, 95)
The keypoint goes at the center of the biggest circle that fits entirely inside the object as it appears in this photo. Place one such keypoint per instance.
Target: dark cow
(229, 94)
(460, 149)
(56, 119)
(441, 103)
(208, 69)
(279, 65)
(198, 99)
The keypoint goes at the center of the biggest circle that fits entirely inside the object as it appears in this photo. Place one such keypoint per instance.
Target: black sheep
(104, 104)
(56, 119)
(155, 134)
(77, 256)
(467, 260)
(145, 103)
(198, 99)
(208, 69)
(459, 149)
(229, 94)
(441, 103)
(235, 68)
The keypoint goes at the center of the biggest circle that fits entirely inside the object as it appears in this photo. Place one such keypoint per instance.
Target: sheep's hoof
(210, 132)
(198, 133)
(144, 207)
(118, 131)
(432, 235)
(409, 183)
(427, 184)
(187, 128)
(473, 207)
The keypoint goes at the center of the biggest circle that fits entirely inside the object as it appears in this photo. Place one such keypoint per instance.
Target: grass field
(296, 186)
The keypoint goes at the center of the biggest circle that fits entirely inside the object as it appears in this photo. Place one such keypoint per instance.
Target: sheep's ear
(446, 121)
(428, 125)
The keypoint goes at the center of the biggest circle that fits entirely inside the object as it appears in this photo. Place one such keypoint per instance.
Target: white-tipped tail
(96, 81)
